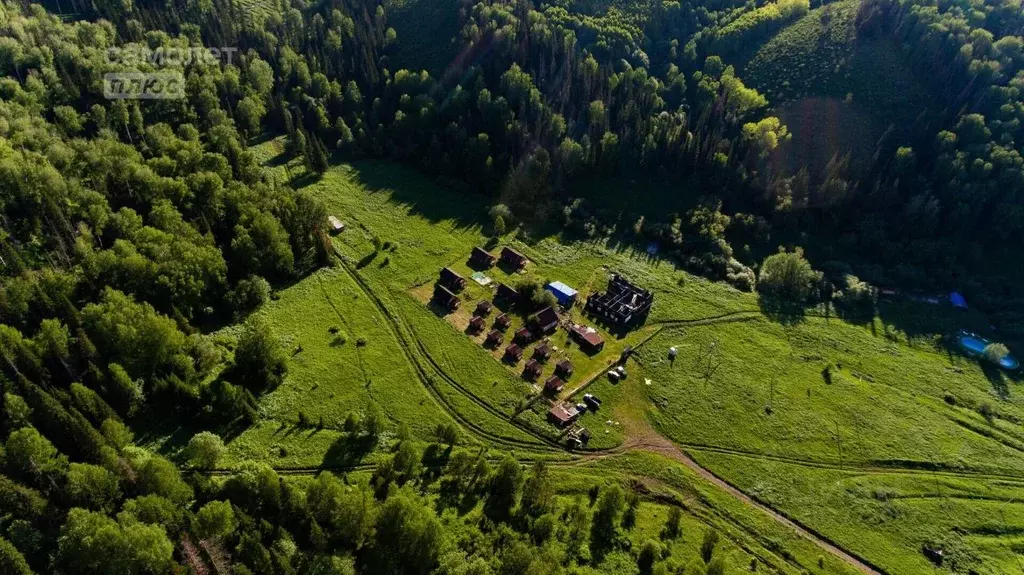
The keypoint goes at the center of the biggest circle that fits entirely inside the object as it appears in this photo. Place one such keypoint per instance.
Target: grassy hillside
(837, 93)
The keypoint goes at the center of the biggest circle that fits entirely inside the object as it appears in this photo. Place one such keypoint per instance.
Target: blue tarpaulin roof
(563, 293)
(957, 300)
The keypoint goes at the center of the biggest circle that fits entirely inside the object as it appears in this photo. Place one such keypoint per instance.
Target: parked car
(592, 402)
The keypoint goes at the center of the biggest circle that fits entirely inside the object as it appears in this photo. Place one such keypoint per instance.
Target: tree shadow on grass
(424, 198)
(997, 378)
(781, 311)
(347, 451)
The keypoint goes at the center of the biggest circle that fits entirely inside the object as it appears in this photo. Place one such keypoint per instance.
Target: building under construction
(622, 305)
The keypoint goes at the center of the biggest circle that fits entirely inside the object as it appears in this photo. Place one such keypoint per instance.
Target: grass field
(875, 438)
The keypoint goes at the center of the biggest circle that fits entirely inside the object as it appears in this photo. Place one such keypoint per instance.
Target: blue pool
(975, 345)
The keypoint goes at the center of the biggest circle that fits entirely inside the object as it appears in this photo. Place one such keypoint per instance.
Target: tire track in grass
(644, 434)
(396, 328)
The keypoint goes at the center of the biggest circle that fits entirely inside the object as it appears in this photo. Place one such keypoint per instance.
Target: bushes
(788, 275)
(533, 291)
(740, 275)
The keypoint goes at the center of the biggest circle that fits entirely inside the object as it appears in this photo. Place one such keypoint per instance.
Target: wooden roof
(546, 319)
(449, 276)
(510, 255)
(482, 256)
(533, 366)
(506, 292)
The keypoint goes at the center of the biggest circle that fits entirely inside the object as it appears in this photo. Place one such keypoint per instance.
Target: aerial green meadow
(871, 432)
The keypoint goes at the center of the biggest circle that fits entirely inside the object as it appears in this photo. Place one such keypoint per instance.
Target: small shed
(542, 352)
(480, 257)
(523, 335)
(484, 308)
(545, 321)
(507, 293)
(335, 224)
(502, 321)
(446, 298)
(477, 325)
(495, 338)
(513, 259)
(533, 368)
(513, 352)
(554, 384)
(564, 368)
(563, 414)
(565, 295)
(958, 300)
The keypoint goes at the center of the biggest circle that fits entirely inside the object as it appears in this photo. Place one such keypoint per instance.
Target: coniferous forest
(133, 230)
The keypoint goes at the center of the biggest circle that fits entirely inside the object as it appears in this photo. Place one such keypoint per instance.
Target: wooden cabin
(513, 259)
(502, 321)
(495, 338)
(544, 321)
(481, 258)
(542, 352)
(523, 335)
(484, 308)
(451, 280)
(554, 384)
(564, 368)
(533, 368)
(507, 293)
(446, 298)
(513, 353)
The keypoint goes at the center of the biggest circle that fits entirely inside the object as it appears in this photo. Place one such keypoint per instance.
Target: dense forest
(129, 227)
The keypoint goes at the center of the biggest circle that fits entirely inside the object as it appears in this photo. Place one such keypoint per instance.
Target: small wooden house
(508, 294)
(451, 280)
(513, 353)
(513, 259)
(494, 338)
(554, 384)
(483, 308)
(502, 321)
(523, 336)
(477, 325)
(533, 368)
(544, 321)
(446, 298)
(542, 352)
(481, 258)
(564, 368)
